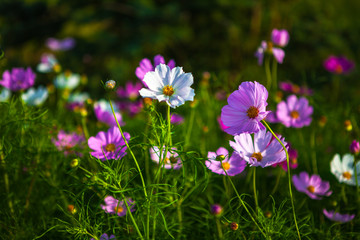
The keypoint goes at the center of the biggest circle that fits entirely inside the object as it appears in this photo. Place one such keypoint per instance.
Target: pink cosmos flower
(355, 147)
(294, 112)
(132, 108)
(221, 124)
(337, 217)
(247, 107)
(338, 65)
(114, 206)
(172, 160)
(146, 66)
(103, 113)
(265, 47)
(263, 150)
(233, 165)
(68, 142)
(130, 91)
(176, 119)
(293, 156)
(109, 145)
(60, 45)
(280, 37)
(313, 186)
(293, 88)
(18, 79)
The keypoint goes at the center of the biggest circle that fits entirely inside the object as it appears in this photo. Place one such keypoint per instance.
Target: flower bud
(234, 226)
(110, 84)
(355, 147)
(348, 125)
(216, 209)
(71, 208)
(74, 163)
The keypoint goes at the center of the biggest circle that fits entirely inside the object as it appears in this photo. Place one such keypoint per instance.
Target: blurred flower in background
(280, 37)
(313, 186)
(35, 97)
(172, 159)
(264, 48)
(48, 64)
(103, 113)
(60, 45)
(338, 65)
(5, 95)
(67, 142)
(344, 169)
(176, 119)
(18, 79)
(67, 80)
(114, 206)
(337, 217)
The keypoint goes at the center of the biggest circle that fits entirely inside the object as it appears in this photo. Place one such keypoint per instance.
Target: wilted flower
(313, 186)
(114, 206)
(67, 80)
(233, 165)
(338, 65)
(146, 66)
(344, 170)
(109, 145)
(103, 113)
(35, 97)
(280, 37)
(294, 112)
(5, 95)
(18, 79)
(265, 47)
(263, 150)
(216, 209)
(67, 142)
(172, 159)
(247, 107)
(60, 45)
(355, 147)
(176, 119)
(48, 64)
(105, 237)
(337, 217)
(170, 85)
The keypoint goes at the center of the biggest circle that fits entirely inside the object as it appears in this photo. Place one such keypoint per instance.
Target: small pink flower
(280, 37)
(313, 186)
(114, 206)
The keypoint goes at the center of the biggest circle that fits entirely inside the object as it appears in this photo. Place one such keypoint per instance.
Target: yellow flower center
(118, 209)
(294, 114)
(252, 112)
(258, 156)
(226, 166)
(110, 147)
(311, 189)
(168, 90)
(347, 175)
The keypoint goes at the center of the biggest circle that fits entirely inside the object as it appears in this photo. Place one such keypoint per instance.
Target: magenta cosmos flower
(103, 113)
(114, 206)
(294, 112)
(109, 145)
(18, 79)
(146, 66)
(60, 45)
(293, 88)
(68, 142)
(337, 217)
(338, 65)
(172, 159)
(264, 48)
(247, 107)
(105, 237)
(130, 91)
(280, 37)
(293, 162)
(221, 124)
(263, 150)
(313, 186)
(233, 165)
(176, 119)
(169, 85)
(355, 147)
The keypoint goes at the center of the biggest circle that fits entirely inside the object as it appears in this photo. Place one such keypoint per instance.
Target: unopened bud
(348, 125)
(71, 208)
(322, 121)
(234, 226)
(220, 158)
(355, 147)
(74, 163)
(110, 84)
(216, 209)
(268, 214)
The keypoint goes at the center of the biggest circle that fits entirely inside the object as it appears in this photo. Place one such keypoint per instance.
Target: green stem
(356, 179)
(289, 175)
(191, 123)
(85, 130)
(218, 225)
(242, 202)
(6, 179)
(268, 73)
(313, 152)
(274, 74)
(254, 188)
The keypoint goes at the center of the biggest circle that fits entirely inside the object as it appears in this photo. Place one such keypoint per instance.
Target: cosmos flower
(233, 165)
(18, 79)
(176, 119)
(146, 66)
(103, 113)
(170, 85)
(60, 45)
(344, 170)
(247, 107)
(76, 101)
(265, 47)
(294, 112)
(338, 65)
(280, 37)
(313, 186)
(355, 147)
(35, 97)
(67, 80)
(68, 142)
(130, 91)
(295, 89)
(337, 217)
(293, 162)
(109, 145)
(105, 237)
(131, 107)
(263, 151)
(5, 95)
(48, 64)
(114, 206)
(172, 160)
(221, 124)
(216, 209)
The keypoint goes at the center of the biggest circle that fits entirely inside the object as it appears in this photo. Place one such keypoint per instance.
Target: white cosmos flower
(170, 85)
(344, 170)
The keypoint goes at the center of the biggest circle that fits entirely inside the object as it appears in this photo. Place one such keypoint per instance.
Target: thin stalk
(218, 225)
(289, 175)
(242, 202)
(274, 74)
(6, 179)
(191, 123)
(84, 127)
(313, 152)
(267, 72)
(356, 179)
(254, 188)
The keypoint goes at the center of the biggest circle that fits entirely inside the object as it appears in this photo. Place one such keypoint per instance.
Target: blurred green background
(213, 35)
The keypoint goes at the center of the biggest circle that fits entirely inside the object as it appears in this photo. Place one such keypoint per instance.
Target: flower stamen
(168, 90)
(110, 147)
(226, 166)
(347, 175)
(311, 189)
(258, 156)
(294, 114)
(252, 112)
